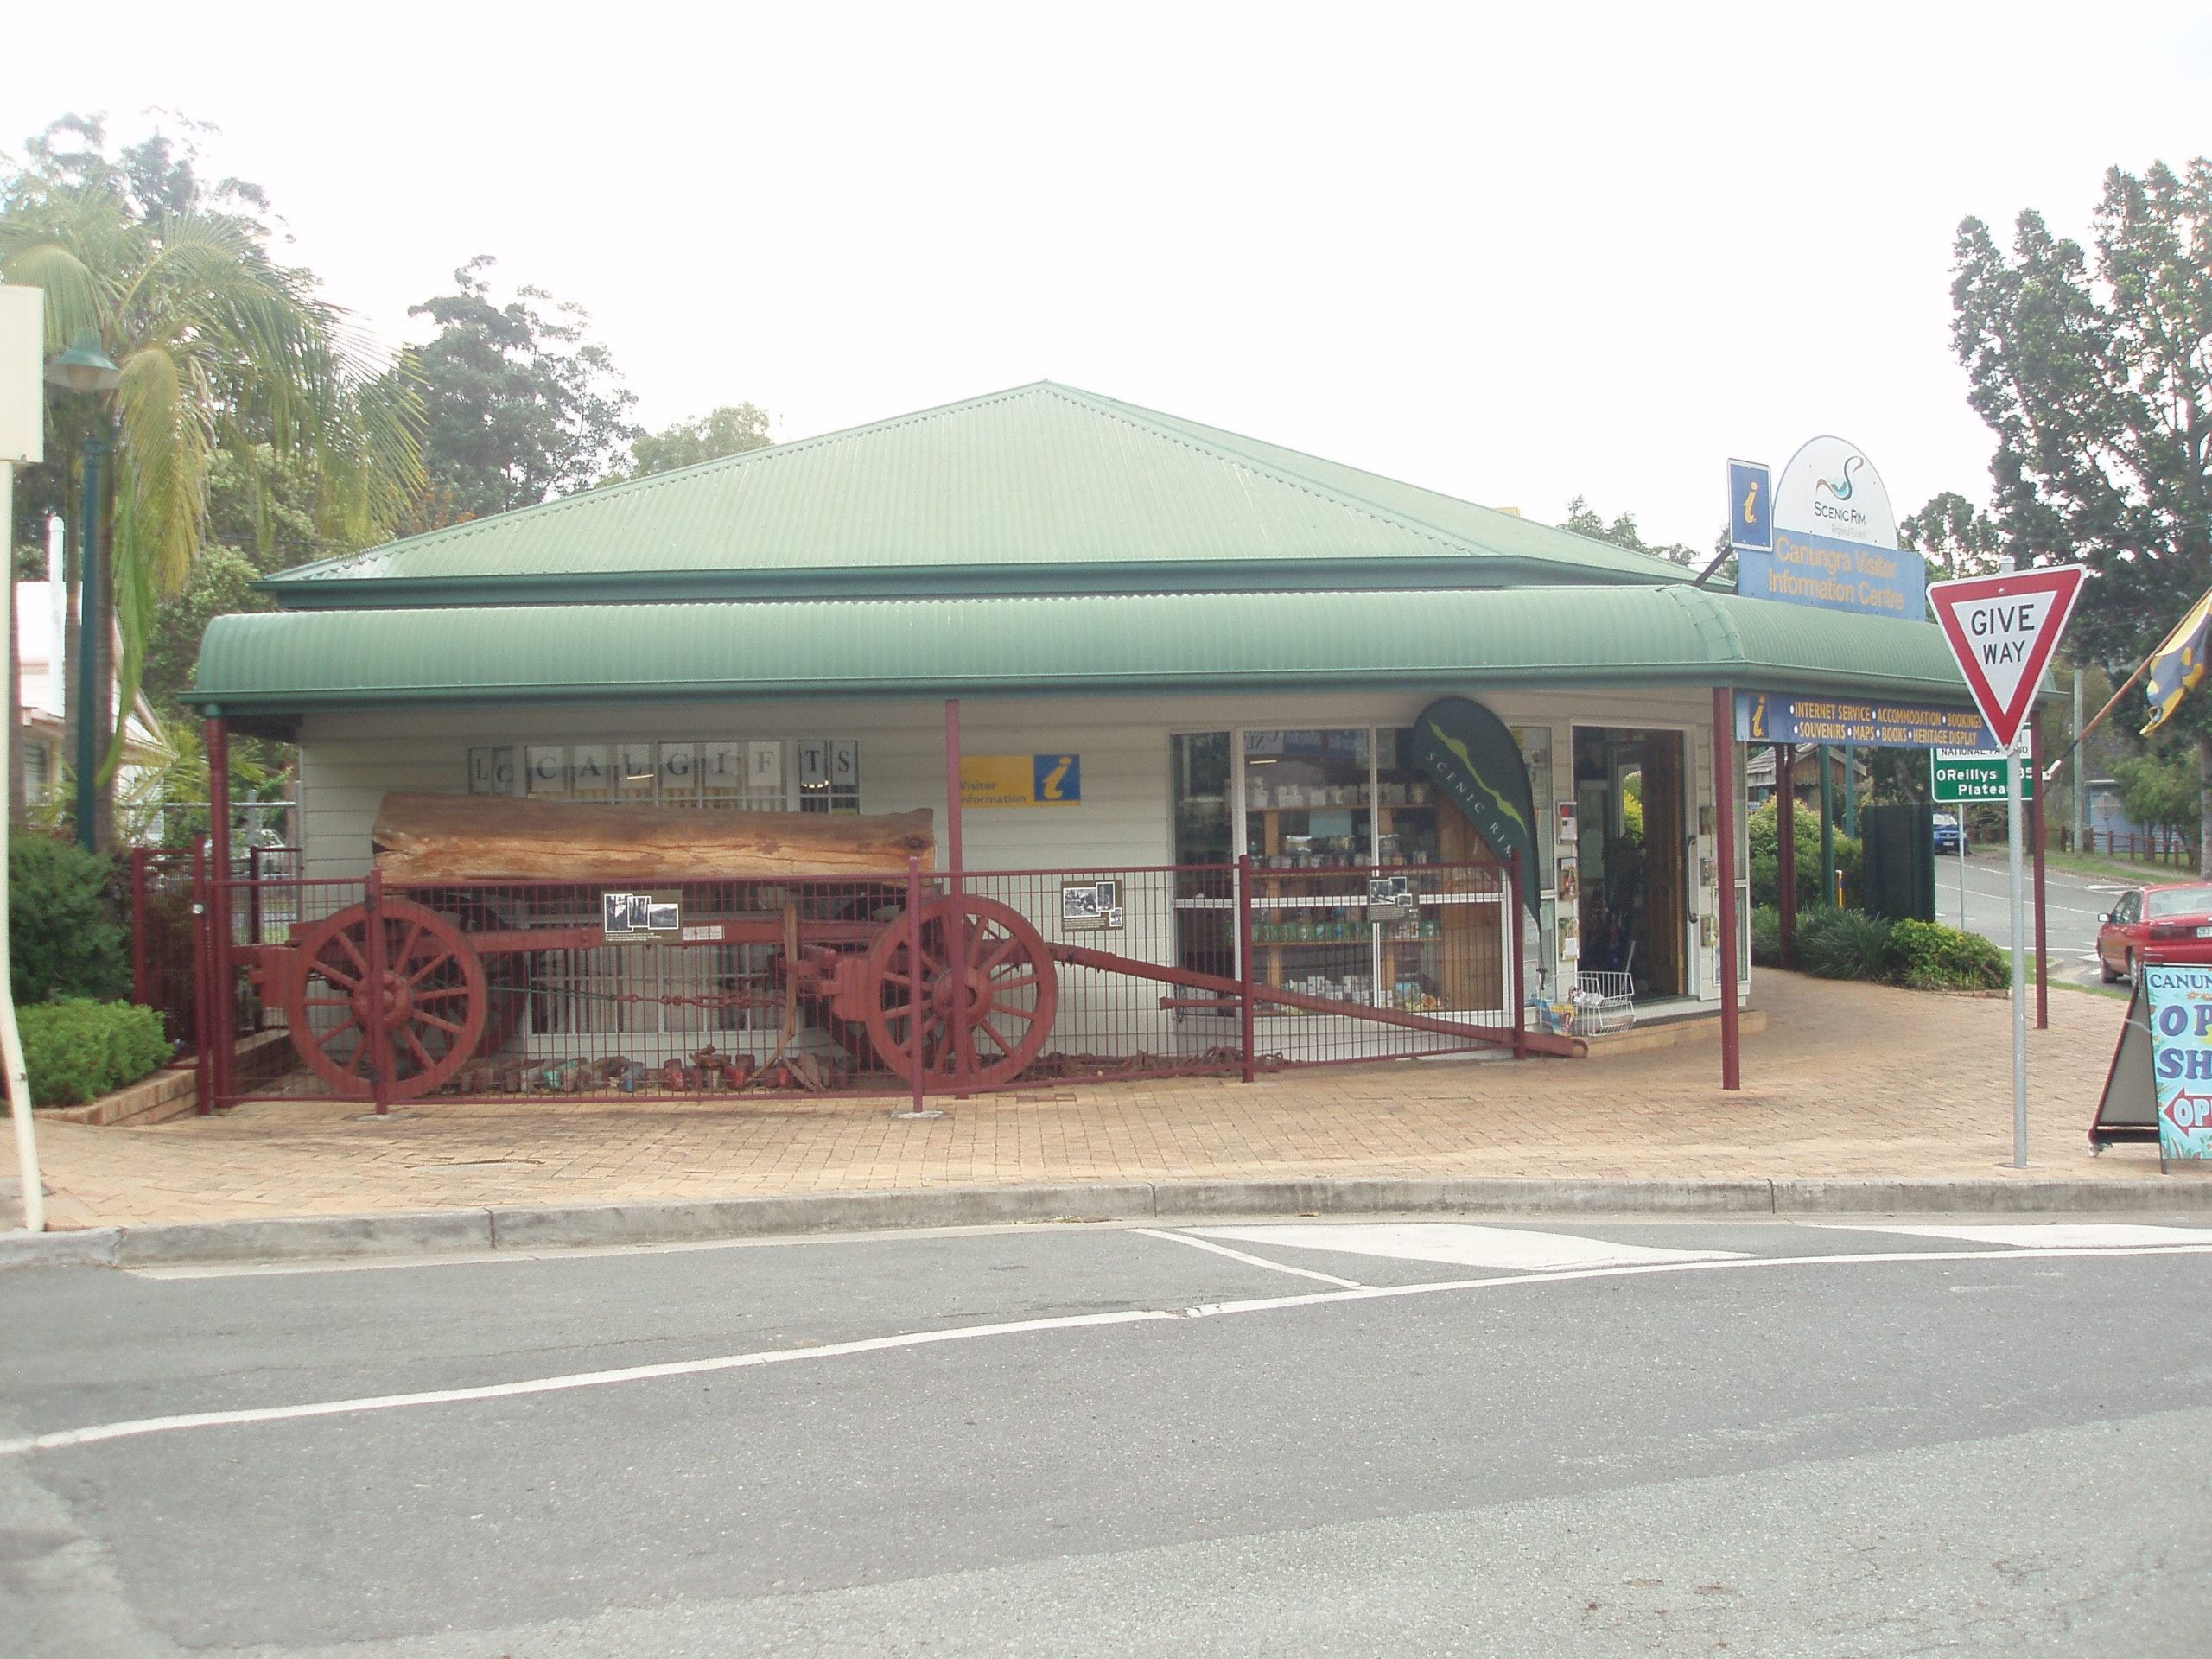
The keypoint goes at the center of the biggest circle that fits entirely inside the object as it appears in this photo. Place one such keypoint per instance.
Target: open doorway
(1634, 853)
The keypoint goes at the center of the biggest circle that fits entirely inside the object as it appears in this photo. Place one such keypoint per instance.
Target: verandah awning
(264, 670)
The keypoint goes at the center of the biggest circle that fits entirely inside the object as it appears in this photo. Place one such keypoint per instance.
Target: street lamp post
(86, 368)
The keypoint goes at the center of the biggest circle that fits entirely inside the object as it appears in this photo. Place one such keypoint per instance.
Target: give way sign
(2003, 630)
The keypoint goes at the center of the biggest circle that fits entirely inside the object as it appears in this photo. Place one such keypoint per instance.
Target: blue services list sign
(1836, 575)
(2181, 1058)
(1762, 717)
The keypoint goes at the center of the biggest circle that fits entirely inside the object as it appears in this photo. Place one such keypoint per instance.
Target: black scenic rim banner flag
(1468, 753)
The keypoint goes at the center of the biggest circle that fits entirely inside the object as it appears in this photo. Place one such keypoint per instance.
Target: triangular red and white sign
(2003, 630)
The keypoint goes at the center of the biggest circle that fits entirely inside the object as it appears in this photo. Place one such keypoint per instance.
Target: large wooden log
(486, 837)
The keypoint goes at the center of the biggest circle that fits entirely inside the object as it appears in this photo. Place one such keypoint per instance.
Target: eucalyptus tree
(221, 348)
(2093, 367)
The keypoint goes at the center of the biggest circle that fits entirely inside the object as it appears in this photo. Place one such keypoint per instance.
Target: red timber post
(373, 1029)
(1245, 1041)
(1785, 848)
(956, 921)
(223, 1025)
(1517, 986)
(203, 979)
(914, 985)
(142, 972)
(1724, 827)
(2035, 844)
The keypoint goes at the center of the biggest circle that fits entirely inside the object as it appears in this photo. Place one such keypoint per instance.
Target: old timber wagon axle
(483, 885)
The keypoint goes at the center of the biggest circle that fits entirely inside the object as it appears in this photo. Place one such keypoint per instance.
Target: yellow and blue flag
(2178, 666)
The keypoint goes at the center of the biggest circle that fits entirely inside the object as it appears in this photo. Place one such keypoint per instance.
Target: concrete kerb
(551, 1227)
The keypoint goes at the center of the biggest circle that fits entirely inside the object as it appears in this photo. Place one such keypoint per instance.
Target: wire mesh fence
(921, 985)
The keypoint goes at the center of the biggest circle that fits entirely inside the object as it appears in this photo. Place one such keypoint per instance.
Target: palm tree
(220, 346)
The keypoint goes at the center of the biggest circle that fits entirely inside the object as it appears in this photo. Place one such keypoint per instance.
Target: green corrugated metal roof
(1039, 489)
(284, 662)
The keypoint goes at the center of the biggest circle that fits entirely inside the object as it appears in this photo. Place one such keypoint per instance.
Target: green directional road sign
(1958, 775)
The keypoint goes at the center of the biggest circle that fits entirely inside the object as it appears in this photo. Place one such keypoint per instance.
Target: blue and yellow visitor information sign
(1020, 780)
(2181, 1057)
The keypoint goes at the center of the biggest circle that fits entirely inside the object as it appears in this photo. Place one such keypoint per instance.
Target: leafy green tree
(2094, 368)
(521, 405)
(1956, 537)
(729, 430)
(1585, 520)
(2158, 792)
(220, 347)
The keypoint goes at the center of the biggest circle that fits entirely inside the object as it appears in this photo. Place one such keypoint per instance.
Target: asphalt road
(2074, 905)
(1579, 1438)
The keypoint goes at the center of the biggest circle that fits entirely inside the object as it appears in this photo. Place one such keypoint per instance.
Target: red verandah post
(1245, 1043)
(914, 972)
(203, 997)
(956, 921)
(1724, 829)
(2035, 842)
(142, 989)
(1516, 979)
(1785, 848)
(372, 1027)
(224, 1027)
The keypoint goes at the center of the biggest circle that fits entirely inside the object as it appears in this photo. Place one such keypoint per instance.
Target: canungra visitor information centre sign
(1834, 540)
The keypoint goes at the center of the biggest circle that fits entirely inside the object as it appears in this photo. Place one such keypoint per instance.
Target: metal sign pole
(2019, 973)
(1962, 868)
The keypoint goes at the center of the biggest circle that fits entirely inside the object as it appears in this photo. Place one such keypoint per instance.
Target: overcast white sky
(1511, 257)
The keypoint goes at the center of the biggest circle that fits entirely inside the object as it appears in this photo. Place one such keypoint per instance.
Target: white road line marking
(63, 1438)
(2076, 1234)
(1462, 1244)
(1255, 1261)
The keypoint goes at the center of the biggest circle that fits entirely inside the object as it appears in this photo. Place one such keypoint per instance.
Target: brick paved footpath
(1846, 1079)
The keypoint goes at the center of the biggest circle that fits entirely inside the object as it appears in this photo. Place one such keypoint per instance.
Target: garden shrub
(67, 934)
(77, 1050)
(1929, 957)
(1766, 936)
(1765, 838)
(1843, 945)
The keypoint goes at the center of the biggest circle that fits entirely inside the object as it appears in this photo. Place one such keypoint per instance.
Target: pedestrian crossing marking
(2047, 1235)
(1462, 1244)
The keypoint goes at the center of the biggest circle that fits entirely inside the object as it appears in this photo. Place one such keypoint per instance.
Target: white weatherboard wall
(349, 761)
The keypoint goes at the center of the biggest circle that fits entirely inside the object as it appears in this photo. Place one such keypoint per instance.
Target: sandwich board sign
(2180, 995)
(2002, 629)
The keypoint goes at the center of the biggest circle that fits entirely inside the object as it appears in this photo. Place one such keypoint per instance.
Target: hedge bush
(1766, 936)
(1843, 945)
(77, 1050)
(1765, 838)
(66, 933)
(1929, 957)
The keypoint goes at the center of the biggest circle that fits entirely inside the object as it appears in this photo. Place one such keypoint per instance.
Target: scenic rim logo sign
(2181, 1057)
(1469, 754)
(1838, 488)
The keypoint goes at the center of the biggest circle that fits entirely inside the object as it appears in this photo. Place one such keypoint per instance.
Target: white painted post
(23, 438)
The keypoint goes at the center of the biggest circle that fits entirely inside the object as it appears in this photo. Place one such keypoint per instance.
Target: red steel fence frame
(1244, 994)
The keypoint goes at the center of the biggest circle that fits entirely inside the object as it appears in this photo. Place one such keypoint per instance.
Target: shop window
(1200, 775)
(1307, 804)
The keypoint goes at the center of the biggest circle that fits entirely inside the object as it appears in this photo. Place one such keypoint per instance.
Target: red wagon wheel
(430, 1005)
(1002, 969)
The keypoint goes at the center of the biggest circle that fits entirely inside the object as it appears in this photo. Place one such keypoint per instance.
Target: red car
(2166, 923)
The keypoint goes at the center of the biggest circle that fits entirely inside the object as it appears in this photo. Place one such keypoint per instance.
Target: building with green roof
(1225, 647)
